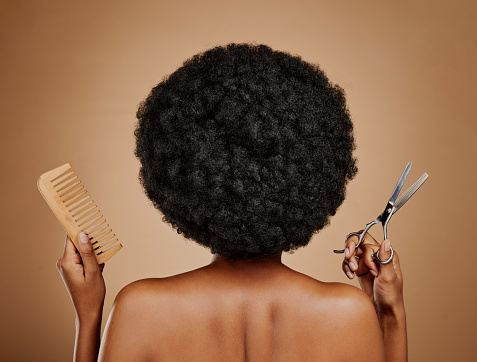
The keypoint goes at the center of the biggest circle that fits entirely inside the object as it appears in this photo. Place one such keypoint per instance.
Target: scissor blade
(400, 183)
(410, 191)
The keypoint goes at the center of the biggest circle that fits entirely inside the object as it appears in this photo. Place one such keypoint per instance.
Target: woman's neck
(260, 262)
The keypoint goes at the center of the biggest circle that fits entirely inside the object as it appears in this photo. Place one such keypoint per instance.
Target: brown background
(73, 74)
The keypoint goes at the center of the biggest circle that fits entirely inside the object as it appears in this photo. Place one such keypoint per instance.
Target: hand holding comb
(76, 212)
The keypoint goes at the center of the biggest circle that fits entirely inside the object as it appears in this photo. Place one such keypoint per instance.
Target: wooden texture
(76, 211)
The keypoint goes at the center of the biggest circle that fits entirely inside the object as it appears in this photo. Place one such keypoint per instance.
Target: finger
(397, 265)
(368, 259)
(350, 252)
(386, 271)
(346, 269)
(354, 239)
(369, 240)
(368, 246)
(366, 282)
(350, 246)
(69, 248)
(69, 252)
(87, 254)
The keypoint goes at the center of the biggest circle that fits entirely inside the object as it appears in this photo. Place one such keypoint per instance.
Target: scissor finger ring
(356, 247)
(358, 234)
(353, 233)
(376, 255)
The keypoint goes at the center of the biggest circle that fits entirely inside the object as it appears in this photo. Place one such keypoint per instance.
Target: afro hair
(246, 150)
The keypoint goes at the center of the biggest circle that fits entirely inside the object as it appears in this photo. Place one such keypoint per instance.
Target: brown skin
(384, 286)
(242, 310)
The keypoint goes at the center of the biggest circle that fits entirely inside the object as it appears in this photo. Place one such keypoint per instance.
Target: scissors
(393, 205)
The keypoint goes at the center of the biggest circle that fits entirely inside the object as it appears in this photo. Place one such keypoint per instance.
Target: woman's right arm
(383, 284)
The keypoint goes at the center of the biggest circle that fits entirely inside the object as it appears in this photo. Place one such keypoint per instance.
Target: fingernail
(373, 272)
(83, 237)
(347, 252)
(387, 245)
(352, 265)
(350, 275)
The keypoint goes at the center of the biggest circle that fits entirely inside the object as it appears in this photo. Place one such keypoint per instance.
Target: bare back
(242, 312)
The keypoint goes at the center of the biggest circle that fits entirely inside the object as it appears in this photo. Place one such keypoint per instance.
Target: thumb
(85, 248)
(386, 271)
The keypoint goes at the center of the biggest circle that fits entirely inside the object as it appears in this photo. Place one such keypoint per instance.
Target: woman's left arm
(84, 281)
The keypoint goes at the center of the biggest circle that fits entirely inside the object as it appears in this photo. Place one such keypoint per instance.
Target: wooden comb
(76, 212)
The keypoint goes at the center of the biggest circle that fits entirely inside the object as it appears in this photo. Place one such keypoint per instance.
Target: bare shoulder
(341, 292)
(353, 301)
(343, 313)
(128, 332)
(154, 287)
(347, 301)
(140, 289)
(349, 295)
(148, 293)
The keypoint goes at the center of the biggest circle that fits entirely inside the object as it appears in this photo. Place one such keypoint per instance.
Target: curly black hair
(246, 150)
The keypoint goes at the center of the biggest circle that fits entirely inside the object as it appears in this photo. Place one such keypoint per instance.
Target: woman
(246, 151)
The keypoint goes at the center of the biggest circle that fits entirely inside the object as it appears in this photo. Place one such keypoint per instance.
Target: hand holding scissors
(393, 205)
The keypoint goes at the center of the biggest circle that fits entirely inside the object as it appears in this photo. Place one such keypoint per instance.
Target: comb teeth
(88, 218)
(70, 190)
(63, 185)
(76, 211)
(84, 211)
(59, 181)
(95, 233)
(100, 236)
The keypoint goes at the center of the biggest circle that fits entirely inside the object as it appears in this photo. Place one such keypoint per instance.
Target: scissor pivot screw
(389, 210)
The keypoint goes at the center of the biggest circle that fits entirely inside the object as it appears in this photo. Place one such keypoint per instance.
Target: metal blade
(400, 183)
(410, 191)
